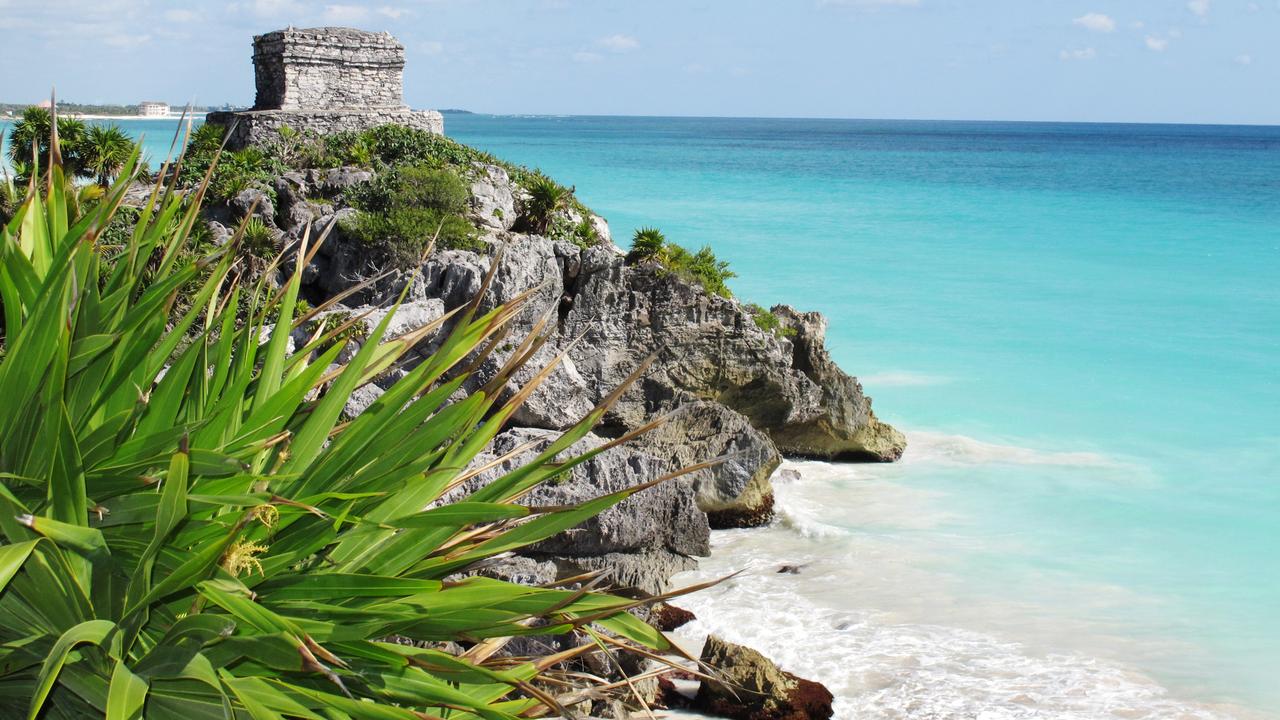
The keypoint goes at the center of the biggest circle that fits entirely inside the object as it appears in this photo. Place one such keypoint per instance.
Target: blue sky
(1097, 60)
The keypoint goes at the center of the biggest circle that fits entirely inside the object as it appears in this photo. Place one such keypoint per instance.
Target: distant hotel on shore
(153, 108)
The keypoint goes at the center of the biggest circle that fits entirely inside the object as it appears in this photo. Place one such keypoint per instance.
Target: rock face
(641, 541)
(727, 388)
(750, 687)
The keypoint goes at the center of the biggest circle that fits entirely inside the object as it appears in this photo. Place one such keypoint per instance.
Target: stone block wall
(328, 69)
(256, 127)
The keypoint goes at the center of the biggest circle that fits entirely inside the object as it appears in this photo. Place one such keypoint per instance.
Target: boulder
(736, 492)
(642, 541)
(849, 430)
(710, 348)
(255, 201)
(493, 197)
(748, 686)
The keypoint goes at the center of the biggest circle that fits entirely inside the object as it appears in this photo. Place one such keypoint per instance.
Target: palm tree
(546, 196)
(647, 244)
(33, 128)
(106, 149)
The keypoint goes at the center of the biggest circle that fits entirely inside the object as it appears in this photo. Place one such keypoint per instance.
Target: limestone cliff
(728, 387)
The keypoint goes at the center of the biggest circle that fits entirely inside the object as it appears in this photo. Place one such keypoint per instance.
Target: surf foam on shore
(878, 614)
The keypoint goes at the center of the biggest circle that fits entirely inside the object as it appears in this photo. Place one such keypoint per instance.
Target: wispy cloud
(181, 16)
(618, 43)
(1096, 22)
(345, 14)
(1158, 44)
(126, 40)
(1244, 59)
(1199, 7)
(1081, 54)
(268, 8)
(431, 47)
(586, 57)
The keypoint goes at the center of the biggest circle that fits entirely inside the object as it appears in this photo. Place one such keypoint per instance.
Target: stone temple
(328, 80)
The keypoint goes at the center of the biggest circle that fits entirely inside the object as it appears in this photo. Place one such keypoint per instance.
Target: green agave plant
(192, 530)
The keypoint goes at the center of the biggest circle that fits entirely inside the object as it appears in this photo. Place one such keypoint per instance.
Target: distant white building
(153, 108)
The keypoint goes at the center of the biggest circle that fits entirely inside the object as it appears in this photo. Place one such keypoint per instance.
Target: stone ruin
(326, 80)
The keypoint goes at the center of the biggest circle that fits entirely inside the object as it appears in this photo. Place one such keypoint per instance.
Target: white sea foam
(884, 671)
(902, 378)
(934, 447)
(874, 614)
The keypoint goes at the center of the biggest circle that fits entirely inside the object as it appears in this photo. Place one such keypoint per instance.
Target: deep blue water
(1079, 325)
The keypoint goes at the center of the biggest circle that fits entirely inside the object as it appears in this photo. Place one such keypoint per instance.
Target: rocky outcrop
(640, 542)
(727, 388)
(747, 686)
(736, 492)
(493, 198)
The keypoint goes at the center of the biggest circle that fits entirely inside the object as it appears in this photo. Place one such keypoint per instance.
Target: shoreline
(986, 656)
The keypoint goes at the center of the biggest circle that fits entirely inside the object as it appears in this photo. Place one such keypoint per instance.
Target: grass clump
(767, 321)
(404, 208)
(191, 528)
(236, 171)
(701, 267)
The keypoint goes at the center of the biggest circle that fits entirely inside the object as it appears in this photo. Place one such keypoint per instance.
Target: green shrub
(237, 171)
(191, 529)
(402, 210)
(403, 232)
(648, 243)
(348, 148)
(585, 234)
(259, 239)
(546, 198)
(702, 267)
(435, 188)
(767, 321)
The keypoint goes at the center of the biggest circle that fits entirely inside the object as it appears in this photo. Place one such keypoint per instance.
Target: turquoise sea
(1078, 326)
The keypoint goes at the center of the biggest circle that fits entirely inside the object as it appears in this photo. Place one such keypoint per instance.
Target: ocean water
(1078, 327)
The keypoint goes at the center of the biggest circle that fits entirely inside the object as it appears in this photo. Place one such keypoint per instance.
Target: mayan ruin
(325, 80)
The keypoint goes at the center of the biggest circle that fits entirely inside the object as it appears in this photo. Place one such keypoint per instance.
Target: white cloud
(1157, 44)
(126, 40)
(618, 43)
(1138, 24)
(181, 16)
(1096, 22)
(345, 14)
(1199, 7)
(1253, 7)
(1244, 59)
(431, 47)
(269, 8)
(1081, 54)
(392, 12)
(586, 57)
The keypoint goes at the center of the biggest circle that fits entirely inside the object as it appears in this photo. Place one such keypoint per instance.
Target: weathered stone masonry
(327, 80)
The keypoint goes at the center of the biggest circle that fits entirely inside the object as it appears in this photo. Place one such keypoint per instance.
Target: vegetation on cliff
(192, 530)
(405, 207)
(701, 267)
